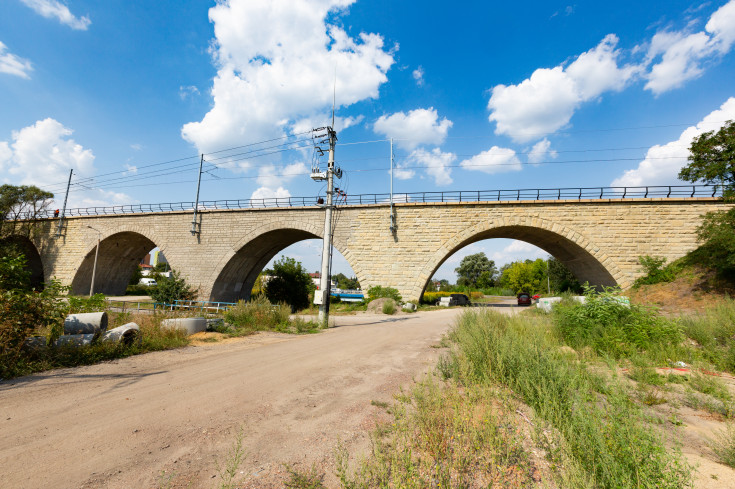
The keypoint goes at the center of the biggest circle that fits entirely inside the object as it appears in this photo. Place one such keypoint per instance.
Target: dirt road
(167, 419)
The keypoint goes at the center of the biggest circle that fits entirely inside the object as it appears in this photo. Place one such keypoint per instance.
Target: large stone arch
(121, 250)
(34, 264)
(235, 274)
(587, 261)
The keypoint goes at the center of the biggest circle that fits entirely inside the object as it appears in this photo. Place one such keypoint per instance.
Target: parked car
(149, 282)
(454, 300)
(524, 299)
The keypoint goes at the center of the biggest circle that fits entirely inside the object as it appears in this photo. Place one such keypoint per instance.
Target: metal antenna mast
(63, 209)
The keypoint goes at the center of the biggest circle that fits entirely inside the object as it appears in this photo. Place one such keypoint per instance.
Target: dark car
(460, 300)
(524, 299)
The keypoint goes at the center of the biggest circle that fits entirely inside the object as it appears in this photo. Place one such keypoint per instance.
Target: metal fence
(545, 194)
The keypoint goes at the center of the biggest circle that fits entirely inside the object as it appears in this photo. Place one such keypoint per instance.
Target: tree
(525, 276)
(712, 158)
(344, 282)
(289, 283)
(172, 289)
(561, 278)
(717, 234)
(20, 207)
(471, 268)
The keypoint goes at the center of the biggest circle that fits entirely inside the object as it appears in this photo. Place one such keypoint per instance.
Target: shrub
(290, 283)
(21, 315)
(612, 327)
(389, 307)
(258, 314)
(77, 305)
(379, 292)
(718, 246)
(655, 271)
(724, 445)
(172, 289)
(714, 331)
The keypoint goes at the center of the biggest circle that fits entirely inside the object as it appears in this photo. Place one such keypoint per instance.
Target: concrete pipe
(76, 339)
(126, 334)
(190, 325)
(87, 323)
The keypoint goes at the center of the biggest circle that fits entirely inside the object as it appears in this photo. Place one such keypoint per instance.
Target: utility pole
(325, 278)
(392, 211)
(63, 209)
(96, 253)
(194, 229)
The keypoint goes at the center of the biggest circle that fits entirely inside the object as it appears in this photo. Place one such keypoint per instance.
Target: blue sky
(482, 95)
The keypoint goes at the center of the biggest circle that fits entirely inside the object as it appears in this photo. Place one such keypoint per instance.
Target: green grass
(442, 435)
(310, 479)
(724, 445)
(603, 430)
(389, 307)
(245, 318)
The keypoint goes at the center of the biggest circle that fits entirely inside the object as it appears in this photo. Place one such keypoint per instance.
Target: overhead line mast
(321, 297)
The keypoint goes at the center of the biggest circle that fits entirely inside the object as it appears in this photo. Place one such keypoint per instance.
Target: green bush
(613, 327)
(714, 332)
(717, 234)
(289, 283)
(96, 303)
(258, 314)
(389, 307)
(379, 292)
(23, 314)
(138, 289)
(172, 289)
(655, 271)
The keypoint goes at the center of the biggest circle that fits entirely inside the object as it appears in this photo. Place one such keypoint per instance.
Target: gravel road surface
(168, 419)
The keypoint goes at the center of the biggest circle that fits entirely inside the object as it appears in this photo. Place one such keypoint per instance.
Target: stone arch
(34, 263)
(586, 260)
(121, 250)
(235, 274)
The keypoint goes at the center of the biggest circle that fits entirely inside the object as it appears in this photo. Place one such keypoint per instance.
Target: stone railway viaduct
(600, 240)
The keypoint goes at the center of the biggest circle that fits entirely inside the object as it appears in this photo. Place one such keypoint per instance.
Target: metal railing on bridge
(545, 194)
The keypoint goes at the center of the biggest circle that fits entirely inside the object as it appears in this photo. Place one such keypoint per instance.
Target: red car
(524, 299)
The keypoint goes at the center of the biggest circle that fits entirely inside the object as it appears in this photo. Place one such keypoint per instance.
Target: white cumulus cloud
(541, 151)
(53, 9)
(276, 63)
(420, 126)
(680, 55)
(418, 75)
(273, 176)
(437, 164)
(546, 101)
(269, 193)
(517, 250)
(494, 160)
(663, 162)
(42, 154)
(12, 64)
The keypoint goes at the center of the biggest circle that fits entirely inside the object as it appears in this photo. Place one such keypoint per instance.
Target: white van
(149, 282)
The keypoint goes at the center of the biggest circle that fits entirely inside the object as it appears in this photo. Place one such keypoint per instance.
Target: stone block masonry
(599, 240)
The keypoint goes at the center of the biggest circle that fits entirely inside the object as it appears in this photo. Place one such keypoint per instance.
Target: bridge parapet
(456, 196)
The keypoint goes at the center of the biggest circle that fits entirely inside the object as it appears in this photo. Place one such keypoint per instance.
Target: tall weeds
(601, 428)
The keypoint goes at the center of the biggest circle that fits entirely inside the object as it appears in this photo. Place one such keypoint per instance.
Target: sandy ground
(167, 419)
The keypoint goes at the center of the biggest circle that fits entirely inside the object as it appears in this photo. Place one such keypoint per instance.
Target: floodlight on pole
(96, 253)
